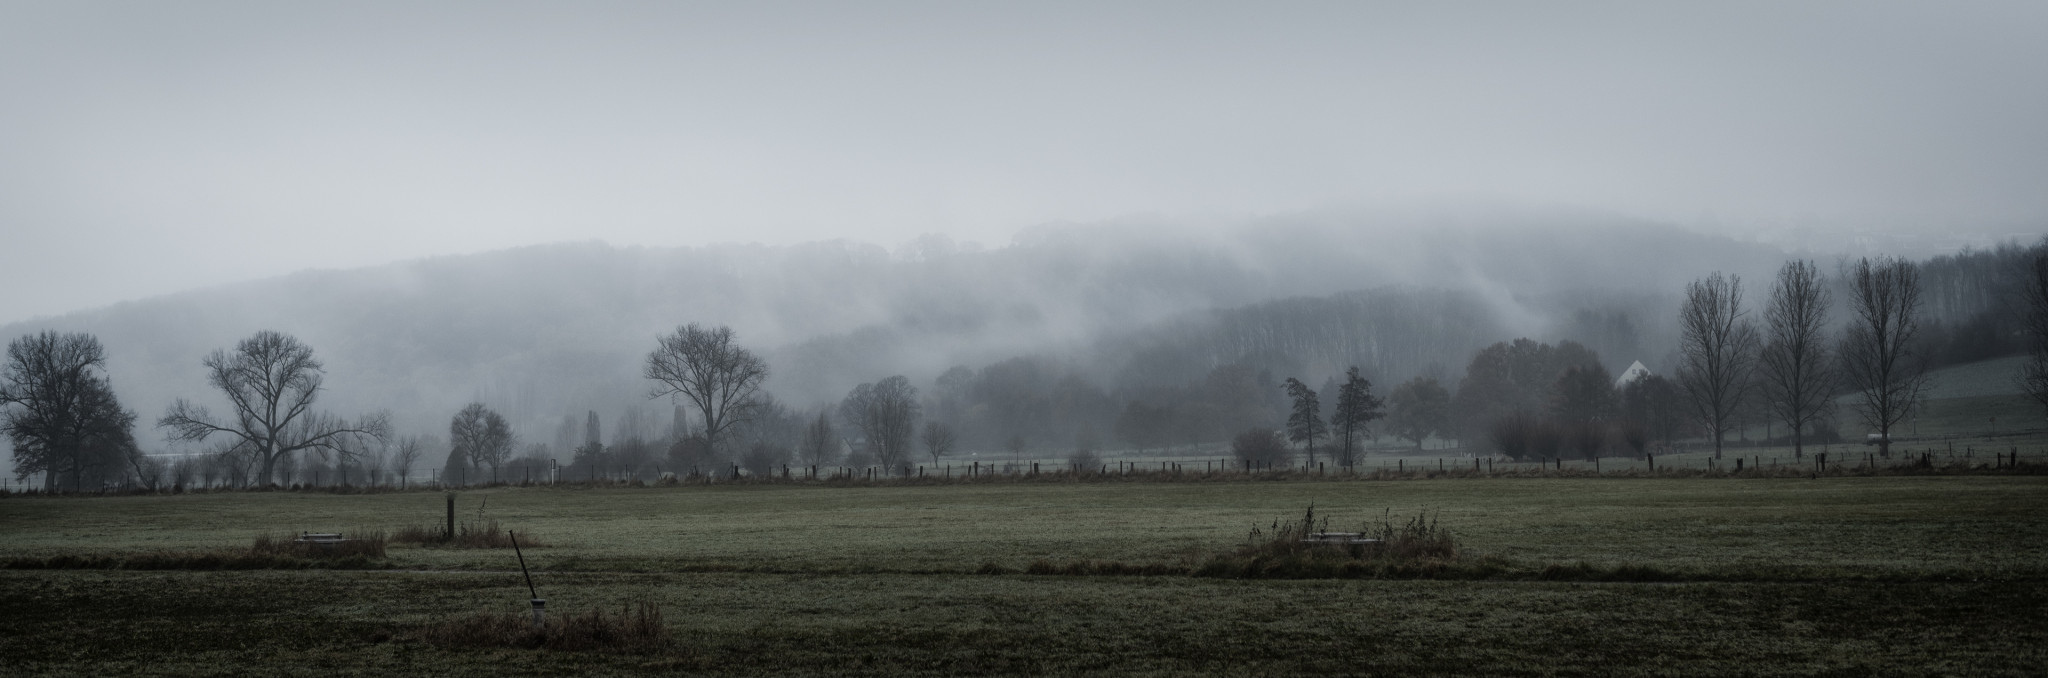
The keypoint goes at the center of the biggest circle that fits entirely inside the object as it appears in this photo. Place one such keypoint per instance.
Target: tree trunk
(269, 468)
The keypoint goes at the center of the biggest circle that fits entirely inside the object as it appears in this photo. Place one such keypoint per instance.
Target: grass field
(1564, 571)
(1856, 575)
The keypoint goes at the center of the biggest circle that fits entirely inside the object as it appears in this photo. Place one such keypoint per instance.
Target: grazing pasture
(1784, 575)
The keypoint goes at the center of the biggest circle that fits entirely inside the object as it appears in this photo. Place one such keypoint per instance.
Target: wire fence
(1902, 460)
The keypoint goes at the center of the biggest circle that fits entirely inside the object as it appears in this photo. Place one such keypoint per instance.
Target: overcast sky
(156, 146)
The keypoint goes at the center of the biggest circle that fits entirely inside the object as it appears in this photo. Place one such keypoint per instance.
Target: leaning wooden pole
(539, 606)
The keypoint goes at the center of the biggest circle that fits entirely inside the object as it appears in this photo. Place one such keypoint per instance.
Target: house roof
(1635, 371)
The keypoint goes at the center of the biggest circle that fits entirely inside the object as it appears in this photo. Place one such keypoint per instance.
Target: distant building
(1635, 371)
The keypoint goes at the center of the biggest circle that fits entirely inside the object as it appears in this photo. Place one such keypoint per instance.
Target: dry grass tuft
(360, 549)
(485, 533)
(637, 628)
(1419, 538)
(361, 542)
(219, 559)
(1104, 568)
(1418, 548)
(1306, 547)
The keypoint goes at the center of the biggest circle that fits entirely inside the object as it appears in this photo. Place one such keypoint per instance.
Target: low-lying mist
(543, 332)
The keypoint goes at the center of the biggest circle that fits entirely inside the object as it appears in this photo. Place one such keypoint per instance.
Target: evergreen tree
(1306, 424)
(1356, 408)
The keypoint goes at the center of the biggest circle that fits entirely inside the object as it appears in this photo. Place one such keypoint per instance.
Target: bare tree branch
(1798, 382)
(271, 380)
(938, 440)
(1717, 352)
(2033, 377)
(60, 412)
(480, 435)
(886, 413)
(703, 366)
(1877, 353)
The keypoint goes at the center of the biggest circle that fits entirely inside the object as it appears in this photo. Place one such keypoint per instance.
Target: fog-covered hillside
(540, 332)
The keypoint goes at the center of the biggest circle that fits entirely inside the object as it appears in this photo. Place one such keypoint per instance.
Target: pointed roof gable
(1635, 371)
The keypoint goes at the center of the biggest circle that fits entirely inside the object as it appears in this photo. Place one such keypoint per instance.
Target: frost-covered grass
(1874, 524)
(371, 623)
(1898, 574)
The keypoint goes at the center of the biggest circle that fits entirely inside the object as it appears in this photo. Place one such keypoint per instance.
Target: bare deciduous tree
(1797, 383)
(938, 440)
(184, 471)
(404, 457)
(886, 413)
(480, 436)
(1878, 356)
(703, 366)
(761, 459)
(271, 379)
(2033, 376)
(352, 454)
(1263, 447)
(1717, 352)
(820, 445)
(60, 411)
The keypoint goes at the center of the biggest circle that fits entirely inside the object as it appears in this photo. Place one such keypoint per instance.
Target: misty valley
(1086, 451)
(1076, 344)
(1129, 338)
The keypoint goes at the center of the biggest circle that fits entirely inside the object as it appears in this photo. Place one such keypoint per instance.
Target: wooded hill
(547, 331)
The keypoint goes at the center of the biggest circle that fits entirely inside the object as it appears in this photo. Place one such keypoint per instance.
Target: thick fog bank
(547, 331)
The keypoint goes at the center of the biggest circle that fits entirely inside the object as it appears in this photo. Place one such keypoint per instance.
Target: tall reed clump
(1305, 548)
(483, 533)
(637, 628)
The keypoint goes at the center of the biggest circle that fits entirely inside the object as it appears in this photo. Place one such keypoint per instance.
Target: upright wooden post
(451, 517)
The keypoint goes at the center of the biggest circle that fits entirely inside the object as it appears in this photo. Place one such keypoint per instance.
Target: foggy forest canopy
(1079, 320)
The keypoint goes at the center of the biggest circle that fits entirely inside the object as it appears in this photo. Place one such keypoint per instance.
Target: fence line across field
(1825, 460)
